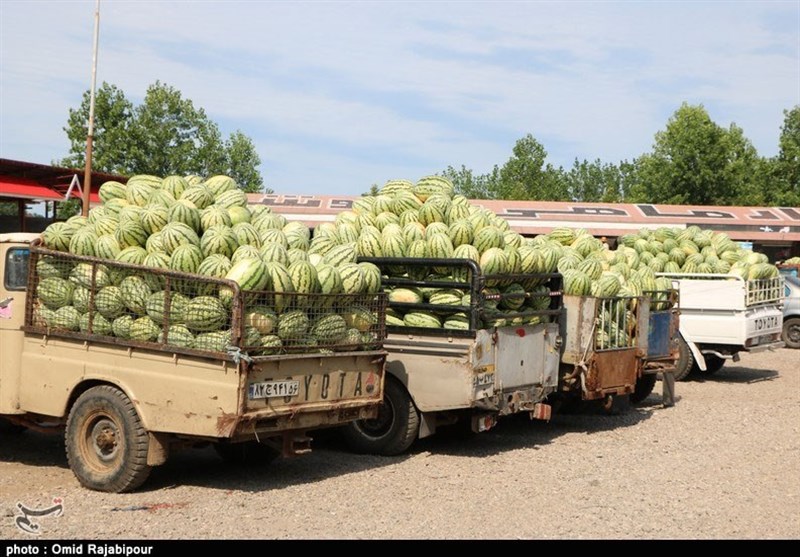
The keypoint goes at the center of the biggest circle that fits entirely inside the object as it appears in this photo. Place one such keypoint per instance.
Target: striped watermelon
(246, 234)
(135, 291)
(274, 253)
(205, 313)
(100, 325)
(161, 198)
(488, 237)
(425, 319)
(131, 233)
(219, 184)
(174, 185)
(186, 258)
(239, 215)
(154, 218)
(231, 198)
(245, 252)
(155, 306)
(57, 236)
(186, 212)
(55, 292)
(175, 234)
(353, 280)
(200, 195)
(214, 216)
(218, 239)
(281, 284)
(83, 242)
(305, 281)
(111, 190)
(372, 277)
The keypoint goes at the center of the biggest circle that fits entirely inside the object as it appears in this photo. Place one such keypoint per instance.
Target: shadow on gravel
(202, 467)
(735, 374)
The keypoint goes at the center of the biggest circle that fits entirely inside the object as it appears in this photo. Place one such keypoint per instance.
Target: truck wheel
(393, 431)
(791, 332)
(644, 386)
(615, 405)
(105, 441)
(250, 453)
(685, 361)
(713, 364)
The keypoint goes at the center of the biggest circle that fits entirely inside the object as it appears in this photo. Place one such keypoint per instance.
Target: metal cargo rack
(185, 287)
(475, 285)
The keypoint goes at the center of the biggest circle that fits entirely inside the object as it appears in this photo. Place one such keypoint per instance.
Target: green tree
(594, 181)
(783, 187)
(373, 191)
(743, 169)
(470, 185)
(113, 121)
(242, 162)
(526, 176)
(694, 161)
(164, 135)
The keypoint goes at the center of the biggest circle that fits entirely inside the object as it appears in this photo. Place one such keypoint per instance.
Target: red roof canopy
(41, 182)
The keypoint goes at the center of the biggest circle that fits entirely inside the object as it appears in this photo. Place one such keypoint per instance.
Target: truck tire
(685, 363)
(791, 332)
(106, 443)
(644, 386)
(713, 364)
(616, 405)
(393, 431)
(249, 453)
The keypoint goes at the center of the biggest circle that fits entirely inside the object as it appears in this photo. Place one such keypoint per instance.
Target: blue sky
(341, 95)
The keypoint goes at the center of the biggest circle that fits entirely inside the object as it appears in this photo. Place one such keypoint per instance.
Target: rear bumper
(767, 346)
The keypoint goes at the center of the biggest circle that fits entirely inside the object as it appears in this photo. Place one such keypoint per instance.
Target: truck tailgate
(309, 390)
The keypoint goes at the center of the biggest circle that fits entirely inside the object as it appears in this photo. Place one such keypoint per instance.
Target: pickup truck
(723, 315)
(123, 401)
(475, 374)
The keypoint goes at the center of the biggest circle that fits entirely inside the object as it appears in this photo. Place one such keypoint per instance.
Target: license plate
(483, 379)
(271, 389)
(763, 339)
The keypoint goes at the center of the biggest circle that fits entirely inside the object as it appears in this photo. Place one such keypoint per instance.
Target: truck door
(12, 317)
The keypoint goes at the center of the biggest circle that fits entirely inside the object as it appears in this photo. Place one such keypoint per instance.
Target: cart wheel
(644, 386)
(106, 443)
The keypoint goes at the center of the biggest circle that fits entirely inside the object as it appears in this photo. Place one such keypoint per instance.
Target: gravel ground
(723, 463)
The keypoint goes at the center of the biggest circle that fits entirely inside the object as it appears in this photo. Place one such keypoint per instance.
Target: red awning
(23, 188)
(27, 189)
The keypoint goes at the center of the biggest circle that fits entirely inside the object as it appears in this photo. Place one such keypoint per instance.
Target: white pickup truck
(723, 315)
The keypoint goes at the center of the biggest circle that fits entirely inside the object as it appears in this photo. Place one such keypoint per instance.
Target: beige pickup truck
(123, 401)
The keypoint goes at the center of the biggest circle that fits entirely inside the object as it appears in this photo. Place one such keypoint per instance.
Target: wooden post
(87, 171)
(21, 214)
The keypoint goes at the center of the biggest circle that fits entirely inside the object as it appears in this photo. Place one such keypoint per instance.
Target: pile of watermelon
(310, 292)
(295, 298)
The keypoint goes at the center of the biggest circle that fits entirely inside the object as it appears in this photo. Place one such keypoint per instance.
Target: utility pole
(87, 171)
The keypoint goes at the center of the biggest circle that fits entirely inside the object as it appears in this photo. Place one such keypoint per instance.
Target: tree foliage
(165, 135)
(697, 162)
(784, 185)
